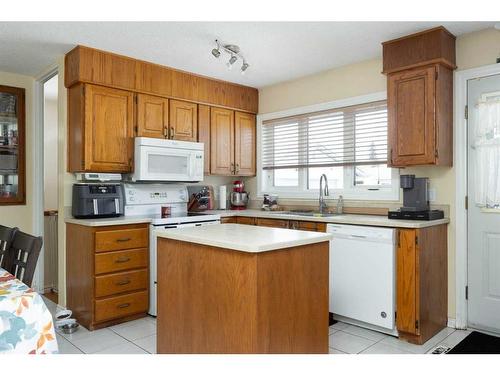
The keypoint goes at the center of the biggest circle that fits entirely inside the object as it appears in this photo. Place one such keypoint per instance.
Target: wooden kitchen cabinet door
(411, 103)
(221, 141)
(204, 134)
(109, 128)
(244, 143)
(406, 282)
(152, 116)
(183, 121)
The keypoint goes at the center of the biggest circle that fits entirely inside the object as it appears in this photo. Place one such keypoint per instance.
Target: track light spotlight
(244, 67)
(216, 52)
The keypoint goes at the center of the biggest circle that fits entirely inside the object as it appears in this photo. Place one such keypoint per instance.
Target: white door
(483, 221)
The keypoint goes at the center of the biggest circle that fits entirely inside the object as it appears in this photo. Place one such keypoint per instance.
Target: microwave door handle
(96, 208)
(117, 206)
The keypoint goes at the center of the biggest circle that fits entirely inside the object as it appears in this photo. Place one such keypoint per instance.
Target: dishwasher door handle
(357, 236)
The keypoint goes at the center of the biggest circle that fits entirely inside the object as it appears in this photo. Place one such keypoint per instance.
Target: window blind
(355, 135)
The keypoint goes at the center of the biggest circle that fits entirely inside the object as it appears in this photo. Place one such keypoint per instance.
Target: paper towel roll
(222, 197)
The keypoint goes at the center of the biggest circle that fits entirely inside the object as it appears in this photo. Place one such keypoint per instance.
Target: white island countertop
(247, 238)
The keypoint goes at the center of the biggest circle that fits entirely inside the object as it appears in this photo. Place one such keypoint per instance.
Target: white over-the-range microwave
(167, 160)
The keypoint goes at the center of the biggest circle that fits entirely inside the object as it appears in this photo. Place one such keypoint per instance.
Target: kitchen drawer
(245, 220)
(122, 282)
(121, 260)
(308, 226)
(228, 220)
(121, 239)
(116, 307)
(276, 223)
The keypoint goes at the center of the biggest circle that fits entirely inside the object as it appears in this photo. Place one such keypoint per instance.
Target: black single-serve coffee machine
(415, 200)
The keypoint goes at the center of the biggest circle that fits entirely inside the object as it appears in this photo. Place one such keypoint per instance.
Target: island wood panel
(84, 64)
(435, 45)
(411, 117)
(406, 282)
(221, 141)
(183, 124)
(152, 116)
(245, 144)
(204, 134)
(292, 305)
(225, 302)
(215, 292)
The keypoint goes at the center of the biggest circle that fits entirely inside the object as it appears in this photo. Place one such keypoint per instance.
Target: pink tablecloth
(26, 325)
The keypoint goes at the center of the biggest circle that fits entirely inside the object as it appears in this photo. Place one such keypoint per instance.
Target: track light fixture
(234, 51)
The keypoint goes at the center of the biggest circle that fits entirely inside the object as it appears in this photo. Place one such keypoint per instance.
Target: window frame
(350, 191)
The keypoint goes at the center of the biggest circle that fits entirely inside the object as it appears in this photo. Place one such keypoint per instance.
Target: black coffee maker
(415, 200)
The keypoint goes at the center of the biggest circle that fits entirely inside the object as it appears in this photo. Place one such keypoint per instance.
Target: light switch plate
(432, 195)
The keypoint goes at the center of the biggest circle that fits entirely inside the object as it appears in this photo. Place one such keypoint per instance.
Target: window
(347, 144)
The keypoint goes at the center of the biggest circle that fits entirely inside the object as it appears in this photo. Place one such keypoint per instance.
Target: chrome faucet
(322, 193)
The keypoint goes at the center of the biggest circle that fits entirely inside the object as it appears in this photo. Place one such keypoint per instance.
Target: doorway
(50, 187)
(483, 214)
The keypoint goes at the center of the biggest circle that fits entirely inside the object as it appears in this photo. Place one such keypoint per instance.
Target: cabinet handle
(122, 260)
(123, 282)
(123, 305)
(233, 170)
(237, 168)
(165, 132)
(123, 239)
(172, 132)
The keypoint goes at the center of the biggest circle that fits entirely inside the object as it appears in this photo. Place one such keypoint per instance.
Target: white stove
(147, 200)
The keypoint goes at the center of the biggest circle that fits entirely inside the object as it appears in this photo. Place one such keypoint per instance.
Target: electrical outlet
(432, 195)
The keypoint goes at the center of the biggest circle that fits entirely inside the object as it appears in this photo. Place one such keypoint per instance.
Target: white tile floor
(139, 337)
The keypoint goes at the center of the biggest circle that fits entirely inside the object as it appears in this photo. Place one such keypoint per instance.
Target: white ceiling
(276, 51)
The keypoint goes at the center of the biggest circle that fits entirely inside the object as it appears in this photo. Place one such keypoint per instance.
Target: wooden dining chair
(23, 254)
(6, 237)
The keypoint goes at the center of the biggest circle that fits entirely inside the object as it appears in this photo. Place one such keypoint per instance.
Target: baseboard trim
(452, 323)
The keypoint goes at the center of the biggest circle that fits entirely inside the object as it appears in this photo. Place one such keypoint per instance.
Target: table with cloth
(26, 325)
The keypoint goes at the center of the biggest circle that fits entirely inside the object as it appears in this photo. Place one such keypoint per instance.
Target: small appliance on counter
(415, 200)
(270, 203)
(92, 200)
(239, 197)
(201, 198)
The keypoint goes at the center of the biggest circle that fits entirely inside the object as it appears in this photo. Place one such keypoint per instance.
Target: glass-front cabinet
(12, 145)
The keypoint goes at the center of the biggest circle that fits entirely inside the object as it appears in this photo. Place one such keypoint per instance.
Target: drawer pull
(124, 282)
(123, 239)
(122, 260)
(123, 305)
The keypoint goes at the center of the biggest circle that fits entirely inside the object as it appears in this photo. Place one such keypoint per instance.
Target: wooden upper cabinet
(411, 112)
(183, 121)
(244, 141)
(152, 116)
(101, 122)
(89, 65)
(204, 134)
(419, 70)
(221, 141)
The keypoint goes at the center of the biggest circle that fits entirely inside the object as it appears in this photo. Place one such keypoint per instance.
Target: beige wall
(22, 216)
(473, 50)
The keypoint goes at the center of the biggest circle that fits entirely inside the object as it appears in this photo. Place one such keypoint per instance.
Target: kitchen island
(234, 288)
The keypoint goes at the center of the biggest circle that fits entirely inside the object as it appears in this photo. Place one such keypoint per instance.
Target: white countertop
(247, 238)
(368, 220)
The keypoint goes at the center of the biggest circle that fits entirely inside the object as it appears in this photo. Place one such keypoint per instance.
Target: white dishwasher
(363, 276)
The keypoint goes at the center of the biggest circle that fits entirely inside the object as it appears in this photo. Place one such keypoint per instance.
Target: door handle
(123, 282)
(122, 260)
(172, 132)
